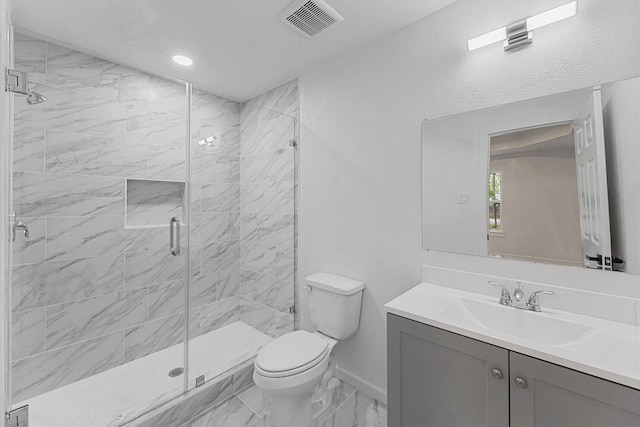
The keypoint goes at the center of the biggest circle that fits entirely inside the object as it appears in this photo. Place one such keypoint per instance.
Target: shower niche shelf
(152, 203)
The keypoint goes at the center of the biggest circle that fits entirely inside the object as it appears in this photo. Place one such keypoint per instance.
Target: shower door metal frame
(6, 144)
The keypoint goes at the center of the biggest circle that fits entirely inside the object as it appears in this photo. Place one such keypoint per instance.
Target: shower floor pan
(111, 397)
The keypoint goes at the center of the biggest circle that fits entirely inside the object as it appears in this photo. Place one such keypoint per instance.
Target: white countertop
(610, 351)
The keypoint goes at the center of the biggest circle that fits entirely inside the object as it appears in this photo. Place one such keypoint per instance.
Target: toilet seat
(291, 354)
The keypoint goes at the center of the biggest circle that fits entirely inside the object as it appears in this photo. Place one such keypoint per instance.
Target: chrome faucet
(505, 296)
(533, 304)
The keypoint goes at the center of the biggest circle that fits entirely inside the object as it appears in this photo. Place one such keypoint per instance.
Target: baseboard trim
(364, 386)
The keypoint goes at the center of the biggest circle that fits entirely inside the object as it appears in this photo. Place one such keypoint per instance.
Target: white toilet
(289, 367)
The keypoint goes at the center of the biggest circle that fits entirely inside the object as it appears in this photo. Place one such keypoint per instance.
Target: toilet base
(287, 411)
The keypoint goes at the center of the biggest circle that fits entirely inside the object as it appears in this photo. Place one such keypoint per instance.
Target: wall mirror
(552, 179)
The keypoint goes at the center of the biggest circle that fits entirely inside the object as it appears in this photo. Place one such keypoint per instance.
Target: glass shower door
(97, 296)
(243, 171)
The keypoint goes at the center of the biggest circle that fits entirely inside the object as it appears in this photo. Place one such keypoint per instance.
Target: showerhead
(34, 98)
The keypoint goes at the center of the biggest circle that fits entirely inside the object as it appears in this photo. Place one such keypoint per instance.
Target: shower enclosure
(154, 234)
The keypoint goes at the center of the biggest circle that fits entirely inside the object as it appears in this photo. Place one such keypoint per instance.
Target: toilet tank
(334, 304)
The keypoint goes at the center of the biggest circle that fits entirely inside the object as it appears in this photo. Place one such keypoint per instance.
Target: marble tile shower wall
(88, 293)
(267, 209)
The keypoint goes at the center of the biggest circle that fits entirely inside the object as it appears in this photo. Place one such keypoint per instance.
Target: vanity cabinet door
(544, 394)
(438, 378)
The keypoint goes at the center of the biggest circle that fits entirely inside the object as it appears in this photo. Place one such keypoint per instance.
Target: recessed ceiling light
(182, 60)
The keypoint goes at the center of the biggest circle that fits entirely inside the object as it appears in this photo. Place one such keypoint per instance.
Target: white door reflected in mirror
(567, 196)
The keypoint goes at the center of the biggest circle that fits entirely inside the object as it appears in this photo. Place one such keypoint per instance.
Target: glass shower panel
(243, 234)
(97, 305)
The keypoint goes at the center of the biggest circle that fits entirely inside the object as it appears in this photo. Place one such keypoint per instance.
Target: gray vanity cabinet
(438, 378)
(544, 394)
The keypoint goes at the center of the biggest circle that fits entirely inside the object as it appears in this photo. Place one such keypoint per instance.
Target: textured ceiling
(240, 48)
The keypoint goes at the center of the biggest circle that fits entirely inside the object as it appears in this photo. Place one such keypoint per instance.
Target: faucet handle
(534, 301)
(505, 296)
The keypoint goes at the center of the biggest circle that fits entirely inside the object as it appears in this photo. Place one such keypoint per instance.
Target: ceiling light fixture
(182, 60)
(520, 33)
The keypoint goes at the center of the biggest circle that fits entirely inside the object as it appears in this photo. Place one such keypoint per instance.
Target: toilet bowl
(290, 367)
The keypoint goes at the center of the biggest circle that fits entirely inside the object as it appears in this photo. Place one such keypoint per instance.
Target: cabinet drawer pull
(497, 373)
(520, 382)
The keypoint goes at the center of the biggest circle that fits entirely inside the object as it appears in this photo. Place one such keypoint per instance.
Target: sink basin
(522, 323)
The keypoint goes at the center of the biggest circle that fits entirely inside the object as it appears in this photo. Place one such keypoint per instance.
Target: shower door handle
(18, 225)
(174, 236)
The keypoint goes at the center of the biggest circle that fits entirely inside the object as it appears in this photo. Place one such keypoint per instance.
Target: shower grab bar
(174, 229)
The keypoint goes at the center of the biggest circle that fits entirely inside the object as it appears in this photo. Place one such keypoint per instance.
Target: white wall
(360, 136)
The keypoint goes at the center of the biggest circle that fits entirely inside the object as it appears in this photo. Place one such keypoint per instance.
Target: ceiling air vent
(310, 17)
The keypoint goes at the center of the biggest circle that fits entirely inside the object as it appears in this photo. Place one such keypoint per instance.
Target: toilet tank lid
(334, 283)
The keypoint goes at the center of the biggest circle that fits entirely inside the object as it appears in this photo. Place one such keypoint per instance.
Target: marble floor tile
(76, 321)
(371, 413)
(256, 399)
(44, 194)
(30, 56)
(230, 413)
(55, 282)
(155, 127)
(70, 69)
(344, 416)
(47, 371)
(27, 333)
(75, 153)
(28, 149)
(72, 111)
(81, 237)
